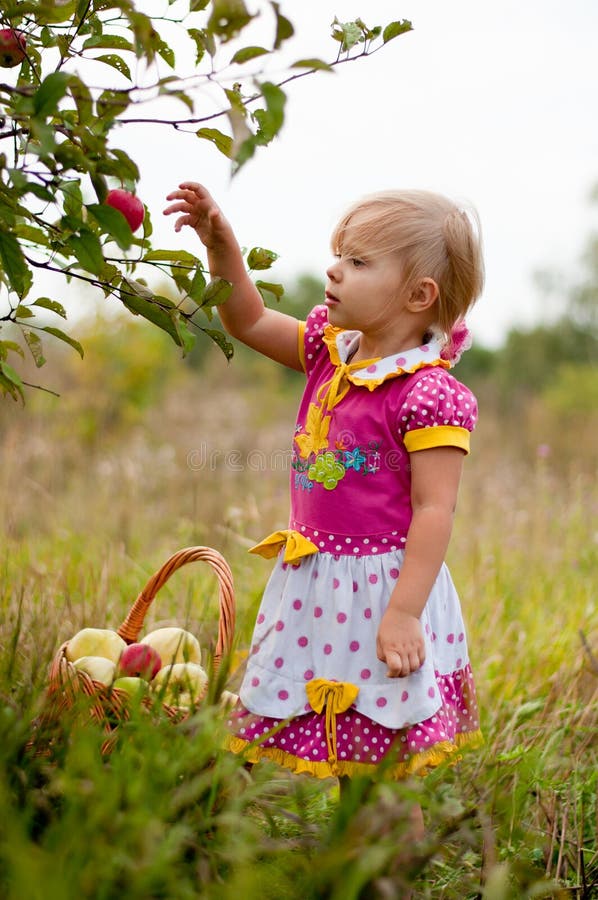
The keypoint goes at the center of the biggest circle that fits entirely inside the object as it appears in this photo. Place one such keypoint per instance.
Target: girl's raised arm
(244, 315)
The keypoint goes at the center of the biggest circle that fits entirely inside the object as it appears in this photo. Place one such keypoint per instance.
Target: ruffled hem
(418, 764)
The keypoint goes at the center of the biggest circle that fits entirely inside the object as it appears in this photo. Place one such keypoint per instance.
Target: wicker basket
(108, 705)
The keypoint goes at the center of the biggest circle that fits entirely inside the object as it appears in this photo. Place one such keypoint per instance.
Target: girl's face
(364, 293)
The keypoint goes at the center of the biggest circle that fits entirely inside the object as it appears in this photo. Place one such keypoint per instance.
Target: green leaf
(10, 381)
(112, 222)
(260, 258)
(100, 186)
(348, 33)
(33, 235)
(44, 134)
(167, 53)
(267, 287)
(110, 104)
(73, 198)
(72, 157)
(187, 338)
(247, 53)
(270, 120)
(203, 41)
(14, 264)
(116, 62)
(228, 18)
(221, 340)
(7, 346)
(198, 286)
(317, 64)
(57, 12)
(23, 312)
(284, 27)
(36, 348)
(127, 167)
(49, 94)
(57, 333)
(108, 42)
(82, 97)
(88, 251)
(394, 29)
(53, 305)
(149, 309)
(171, 256)
(223, 142)
(217, 291)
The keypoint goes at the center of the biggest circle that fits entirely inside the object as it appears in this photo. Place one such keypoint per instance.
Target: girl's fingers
(176, 207)
(183, 220)
(414, 662)
(395, 664)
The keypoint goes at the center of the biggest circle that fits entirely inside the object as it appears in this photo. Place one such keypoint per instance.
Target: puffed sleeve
(311, 333)
(438, 411)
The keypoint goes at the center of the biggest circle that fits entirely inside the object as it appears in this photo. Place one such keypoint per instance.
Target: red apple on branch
(12, 48)
(129, 205)
(140, 660)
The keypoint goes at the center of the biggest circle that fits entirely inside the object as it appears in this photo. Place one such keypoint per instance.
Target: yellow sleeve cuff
(437, 436)
(301, 344)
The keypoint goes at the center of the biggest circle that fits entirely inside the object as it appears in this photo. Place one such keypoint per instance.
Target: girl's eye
(357, 263)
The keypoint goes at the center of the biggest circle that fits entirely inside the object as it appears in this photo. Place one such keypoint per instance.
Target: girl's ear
(424, 295)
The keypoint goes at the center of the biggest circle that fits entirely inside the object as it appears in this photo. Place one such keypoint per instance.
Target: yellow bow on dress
(328, 396)
(295, 544)
(337, 697)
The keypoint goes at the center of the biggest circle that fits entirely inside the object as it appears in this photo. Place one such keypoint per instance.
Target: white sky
(495, 103)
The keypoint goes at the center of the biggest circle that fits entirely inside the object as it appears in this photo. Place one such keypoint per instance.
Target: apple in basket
(174, 645)
(181, 684)
(97, 667)
(131, 685)
(95, 642)
(140, 661)
(227, 700)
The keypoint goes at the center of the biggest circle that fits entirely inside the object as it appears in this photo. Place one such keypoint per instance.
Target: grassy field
(140, 458)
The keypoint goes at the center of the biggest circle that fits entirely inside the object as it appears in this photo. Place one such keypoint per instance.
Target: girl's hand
(400, 643)
(199, 211)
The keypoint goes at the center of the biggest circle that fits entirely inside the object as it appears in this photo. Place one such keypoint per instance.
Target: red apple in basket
(12, 48)
(129, 205)
(140, 661)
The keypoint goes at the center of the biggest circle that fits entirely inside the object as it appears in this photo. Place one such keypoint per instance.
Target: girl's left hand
(400, 643)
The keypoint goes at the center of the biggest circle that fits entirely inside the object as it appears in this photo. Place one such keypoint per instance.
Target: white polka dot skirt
(318, 622)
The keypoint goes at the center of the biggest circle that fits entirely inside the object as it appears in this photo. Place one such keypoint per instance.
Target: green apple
(131, 685)
(95, 642)
(181, 684)
(97, 667)
(175, 645)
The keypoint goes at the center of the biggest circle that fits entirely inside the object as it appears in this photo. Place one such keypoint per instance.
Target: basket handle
(130, 628)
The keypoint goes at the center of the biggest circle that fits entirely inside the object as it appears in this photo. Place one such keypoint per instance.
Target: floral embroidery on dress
(330, 467)
(316, 432)
(354, 459)
(327, 470)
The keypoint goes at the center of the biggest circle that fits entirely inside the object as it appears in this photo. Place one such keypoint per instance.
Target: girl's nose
(333, 271)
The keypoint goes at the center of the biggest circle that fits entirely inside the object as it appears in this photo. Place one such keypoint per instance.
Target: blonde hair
(432, 237)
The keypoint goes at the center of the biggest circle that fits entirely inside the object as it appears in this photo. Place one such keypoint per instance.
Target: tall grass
(95, 494)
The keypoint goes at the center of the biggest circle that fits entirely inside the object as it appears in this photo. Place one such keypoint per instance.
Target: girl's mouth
(330, 299)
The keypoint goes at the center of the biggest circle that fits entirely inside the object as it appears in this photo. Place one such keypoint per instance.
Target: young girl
(359, 658)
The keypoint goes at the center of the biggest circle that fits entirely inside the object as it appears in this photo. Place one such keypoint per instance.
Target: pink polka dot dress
(315, 697)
